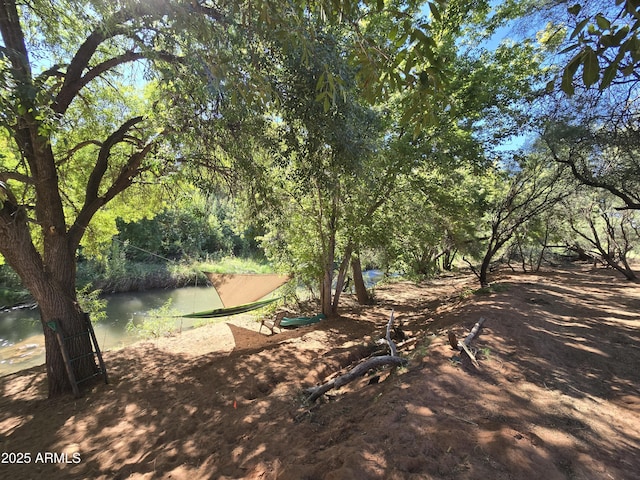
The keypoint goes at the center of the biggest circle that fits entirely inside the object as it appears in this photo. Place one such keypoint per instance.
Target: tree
(442, 206)
(61, 174)
(312, 178)
(598, 137)
(602, 231)
(528, 189)
(40, 231)
(534, 238)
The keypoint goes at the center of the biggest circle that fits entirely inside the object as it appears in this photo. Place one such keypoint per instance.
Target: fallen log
(392, 346)
(474, 331)
(356, 372)
(464, 344)
(359, 370)
(407, 343)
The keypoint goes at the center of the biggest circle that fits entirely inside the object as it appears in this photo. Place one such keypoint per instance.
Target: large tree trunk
(52, 284)
(58, 303)
(71, 322)
(358, 282)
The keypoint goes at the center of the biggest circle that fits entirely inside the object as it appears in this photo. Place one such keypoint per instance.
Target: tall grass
(134, 276)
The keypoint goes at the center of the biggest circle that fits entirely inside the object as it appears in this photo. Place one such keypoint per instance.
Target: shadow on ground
(556, 395)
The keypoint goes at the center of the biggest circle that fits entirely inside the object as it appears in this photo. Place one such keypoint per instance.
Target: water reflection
(22, 341)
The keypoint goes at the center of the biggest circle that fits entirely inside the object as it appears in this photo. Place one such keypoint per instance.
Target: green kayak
(300, 321)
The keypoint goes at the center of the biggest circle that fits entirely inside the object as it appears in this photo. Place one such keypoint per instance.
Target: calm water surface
(22, 341)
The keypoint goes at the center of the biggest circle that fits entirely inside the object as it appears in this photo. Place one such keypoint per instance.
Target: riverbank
(183, 288)
(556, 394)
(133, 277)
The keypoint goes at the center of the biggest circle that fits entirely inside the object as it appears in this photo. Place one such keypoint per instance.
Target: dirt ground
(556, 395)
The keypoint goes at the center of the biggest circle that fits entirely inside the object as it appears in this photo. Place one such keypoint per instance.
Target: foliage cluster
(156, 323)
(195, 228)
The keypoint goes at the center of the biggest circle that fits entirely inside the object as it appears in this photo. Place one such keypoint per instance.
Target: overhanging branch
(78, 73)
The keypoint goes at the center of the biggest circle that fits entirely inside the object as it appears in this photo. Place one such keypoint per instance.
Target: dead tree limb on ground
(464, 344)
(359, 370)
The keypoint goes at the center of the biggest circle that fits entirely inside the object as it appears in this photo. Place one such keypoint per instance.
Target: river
(22, 340)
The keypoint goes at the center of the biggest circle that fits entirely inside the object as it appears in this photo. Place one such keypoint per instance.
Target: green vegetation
(235, 265)
(91, 303)
(493, 288)
(159, 322)
(11, 290)
(141, 142)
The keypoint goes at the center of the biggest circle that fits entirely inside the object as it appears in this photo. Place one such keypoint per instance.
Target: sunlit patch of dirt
(556, 395)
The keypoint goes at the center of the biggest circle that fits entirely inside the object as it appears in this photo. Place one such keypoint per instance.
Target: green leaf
(633, 46)
(607, 41)
(628, 70)
(434, 11)
(551, 85)
(591, 70)
(631, 6)
(568, 74)
(602, 22)
(393, 33)
(620, 34)
(579, 28)
(568, 49)
(575, 9)
(609, 75)
(321, 81)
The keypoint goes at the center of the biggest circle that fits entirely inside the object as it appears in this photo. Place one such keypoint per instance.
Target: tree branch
(361, 369)
(93, 201)
(74, 78)
(78, 147)
(93, 184)
(4, 176)
(13, 37)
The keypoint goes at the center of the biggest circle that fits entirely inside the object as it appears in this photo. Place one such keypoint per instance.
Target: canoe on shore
(288, 322)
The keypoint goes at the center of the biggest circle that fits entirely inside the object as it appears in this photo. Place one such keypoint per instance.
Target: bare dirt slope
(556, 395)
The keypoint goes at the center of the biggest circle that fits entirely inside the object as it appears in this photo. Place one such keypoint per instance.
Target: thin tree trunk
(327, 278)
(626, 270)
(329, 253)
(342, 273)
(483, 275)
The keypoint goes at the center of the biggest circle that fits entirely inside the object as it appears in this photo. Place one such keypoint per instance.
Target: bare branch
(4, 176)
(102, 162)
